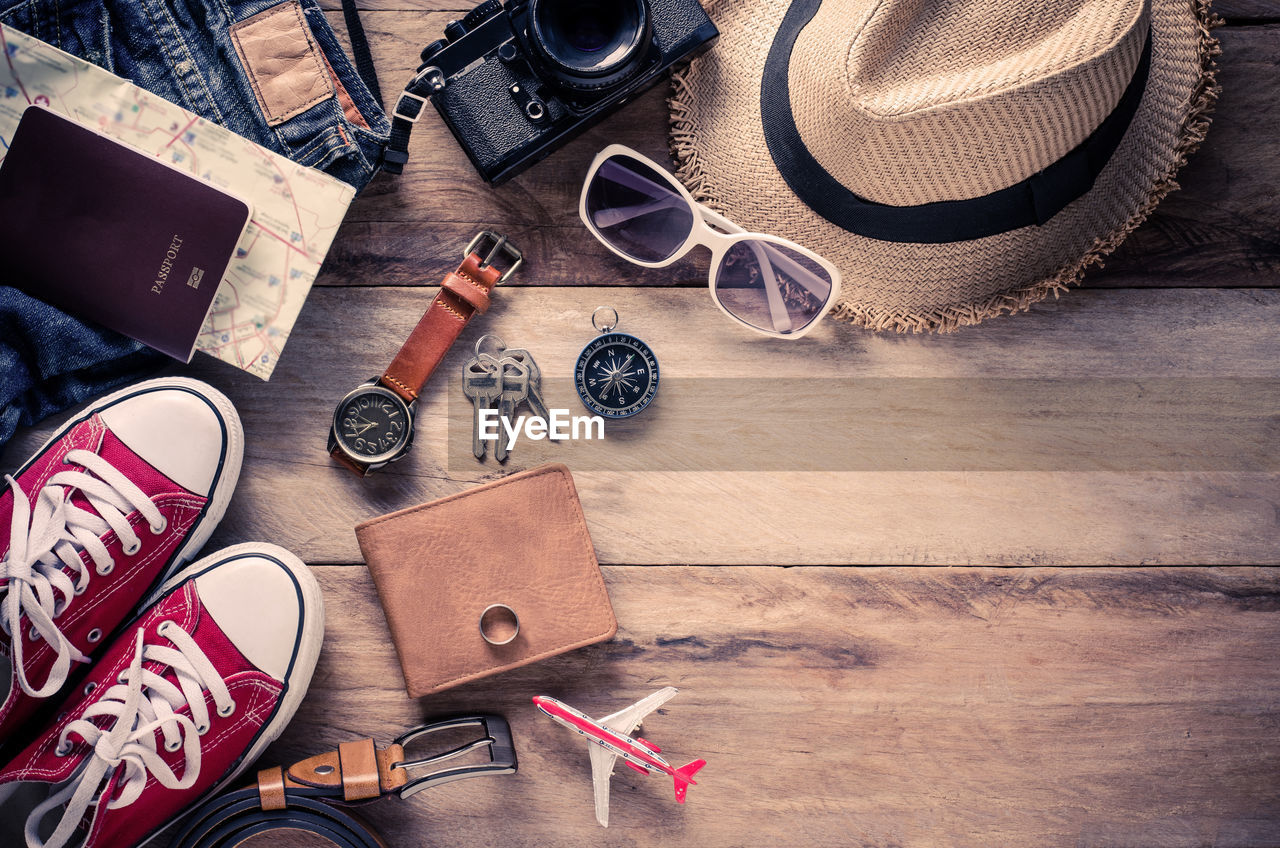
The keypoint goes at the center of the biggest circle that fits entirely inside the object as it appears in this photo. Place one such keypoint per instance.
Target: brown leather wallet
(521, 543)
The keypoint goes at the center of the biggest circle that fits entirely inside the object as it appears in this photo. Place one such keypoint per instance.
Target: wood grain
(836, 706)
(1214, 231)
(291, 493)
(1227, 8)
(1218, 231)
(870, 706)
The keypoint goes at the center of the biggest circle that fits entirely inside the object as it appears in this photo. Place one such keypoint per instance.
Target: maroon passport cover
(113, 234)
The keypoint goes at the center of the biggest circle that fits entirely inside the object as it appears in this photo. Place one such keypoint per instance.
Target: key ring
(608, 325)
(480, 342)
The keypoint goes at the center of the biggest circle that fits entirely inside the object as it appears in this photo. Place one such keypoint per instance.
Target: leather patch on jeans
(285, 65)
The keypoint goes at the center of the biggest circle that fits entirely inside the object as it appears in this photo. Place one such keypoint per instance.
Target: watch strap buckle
(499, 245)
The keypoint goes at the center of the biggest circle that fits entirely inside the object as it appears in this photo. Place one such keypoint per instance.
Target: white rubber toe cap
(179, 432)
(257, 605)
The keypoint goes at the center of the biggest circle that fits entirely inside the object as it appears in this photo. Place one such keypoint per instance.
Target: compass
(617, 374)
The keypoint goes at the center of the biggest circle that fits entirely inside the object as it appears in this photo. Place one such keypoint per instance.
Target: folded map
(296, 210)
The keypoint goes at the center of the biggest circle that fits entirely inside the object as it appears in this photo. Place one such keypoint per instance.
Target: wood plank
(1248, 10)
(1227, 8)
(1214, 231)
(869, 706)
(290, 492)
(1219, 230)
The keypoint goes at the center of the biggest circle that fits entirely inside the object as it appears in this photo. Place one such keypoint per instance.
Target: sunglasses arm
(613, 216)
(773, 293)
(793, 269)
(667, 196)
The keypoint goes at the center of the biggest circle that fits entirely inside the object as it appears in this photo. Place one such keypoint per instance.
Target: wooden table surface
(939, 671)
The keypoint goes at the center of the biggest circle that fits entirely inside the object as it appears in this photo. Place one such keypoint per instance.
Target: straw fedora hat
(955, 159)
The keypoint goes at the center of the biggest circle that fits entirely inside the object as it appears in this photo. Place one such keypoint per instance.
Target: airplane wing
(601, 770)
(626, 721)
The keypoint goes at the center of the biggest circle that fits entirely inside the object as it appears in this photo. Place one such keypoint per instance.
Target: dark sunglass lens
(772, 287)
(636, 210)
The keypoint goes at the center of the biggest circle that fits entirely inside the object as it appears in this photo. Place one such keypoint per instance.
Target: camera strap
(407, 111)
(360, 49)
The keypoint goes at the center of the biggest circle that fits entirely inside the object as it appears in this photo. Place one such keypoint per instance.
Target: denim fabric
(51, 361)
(181, 50)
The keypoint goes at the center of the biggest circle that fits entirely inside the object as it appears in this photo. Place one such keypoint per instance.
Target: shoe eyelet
(104, 570)
(164, 525)
(34, 635)
(89, 687)
(64, 748)
(176, 746)
(231, 708)
(202, 729)
(94, 635)
(122, 679)
(130, 550)
(80, 590)
(163, 627)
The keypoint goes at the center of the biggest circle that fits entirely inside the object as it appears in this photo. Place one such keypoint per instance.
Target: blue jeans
(182, 50)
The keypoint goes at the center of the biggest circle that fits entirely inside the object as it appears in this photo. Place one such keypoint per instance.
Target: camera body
(513, 82)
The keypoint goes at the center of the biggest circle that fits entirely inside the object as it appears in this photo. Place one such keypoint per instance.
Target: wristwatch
(373, 424)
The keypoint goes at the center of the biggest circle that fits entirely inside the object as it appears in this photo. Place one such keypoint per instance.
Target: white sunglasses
(642, 213)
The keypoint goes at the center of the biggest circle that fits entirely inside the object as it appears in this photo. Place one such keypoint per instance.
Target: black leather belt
(306, 795)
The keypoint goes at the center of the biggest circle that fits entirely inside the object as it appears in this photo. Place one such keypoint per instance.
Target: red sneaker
(181, 702)
(109, 508)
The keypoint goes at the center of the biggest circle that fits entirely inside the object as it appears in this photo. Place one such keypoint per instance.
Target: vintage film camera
(515, 82)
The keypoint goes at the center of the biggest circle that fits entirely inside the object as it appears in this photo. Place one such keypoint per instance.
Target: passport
(112, 234)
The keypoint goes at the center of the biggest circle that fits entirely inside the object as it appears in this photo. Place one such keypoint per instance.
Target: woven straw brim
(718, 142)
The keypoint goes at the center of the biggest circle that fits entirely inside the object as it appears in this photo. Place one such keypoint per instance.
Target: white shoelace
(142, 702)
(51, 535)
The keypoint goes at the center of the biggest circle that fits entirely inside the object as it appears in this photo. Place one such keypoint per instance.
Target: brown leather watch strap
(350, 463)
(463, 293)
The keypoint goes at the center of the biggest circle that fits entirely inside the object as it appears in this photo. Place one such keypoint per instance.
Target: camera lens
(589, 38)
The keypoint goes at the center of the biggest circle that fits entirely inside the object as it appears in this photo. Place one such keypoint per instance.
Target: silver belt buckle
(497, 738)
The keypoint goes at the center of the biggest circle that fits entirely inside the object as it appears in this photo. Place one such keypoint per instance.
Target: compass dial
(616, 375)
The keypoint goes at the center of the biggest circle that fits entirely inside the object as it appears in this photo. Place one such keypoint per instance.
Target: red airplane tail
(684, 777)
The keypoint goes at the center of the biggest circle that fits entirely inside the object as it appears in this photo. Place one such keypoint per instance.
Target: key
(488, 360)
(482, 383)
(535, 380)
(515, 391)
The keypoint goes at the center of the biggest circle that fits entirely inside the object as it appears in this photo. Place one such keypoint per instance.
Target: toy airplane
(610, 738)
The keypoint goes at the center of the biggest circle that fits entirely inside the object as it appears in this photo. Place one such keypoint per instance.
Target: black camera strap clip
(408, 109)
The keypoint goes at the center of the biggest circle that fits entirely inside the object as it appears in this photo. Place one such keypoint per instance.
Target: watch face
(372, 424)
(616, 375)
